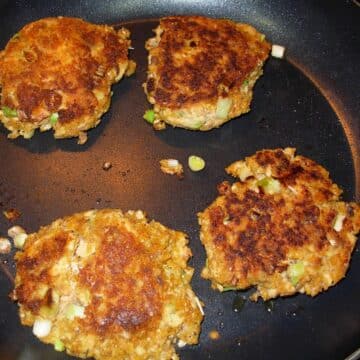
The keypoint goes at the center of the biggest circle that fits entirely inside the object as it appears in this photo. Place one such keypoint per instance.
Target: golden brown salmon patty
(108, 285)
(57, 73)
(202, 71)
(282, 228)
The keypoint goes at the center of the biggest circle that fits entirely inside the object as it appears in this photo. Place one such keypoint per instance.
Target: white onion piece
(5, 246)
(277, 51)
(173, 162)
(42, 328)
(181, 343)
(15, 230)
(338, 223)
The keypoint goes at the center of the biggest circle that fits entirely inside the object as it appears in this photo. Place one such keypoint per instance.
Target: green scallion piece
(196, 163)
(269, 185)
(149, 116)
(72, 311)
(54, 117)
(59, 345)
(228, 288)
(295, 272)
(8, 112)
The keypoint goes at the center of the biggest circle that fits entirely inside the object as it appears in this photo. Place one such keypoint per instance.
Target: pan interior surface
(46, 179)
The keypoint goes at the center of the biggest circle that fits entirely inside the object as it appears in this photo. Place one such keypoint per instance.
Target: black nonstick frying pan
(310, 100)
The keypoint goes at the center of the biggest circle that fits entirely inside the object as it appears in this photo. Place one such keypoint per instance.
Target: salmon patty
(201, 71)
(56, 73)
(282, 228)
(108, 285)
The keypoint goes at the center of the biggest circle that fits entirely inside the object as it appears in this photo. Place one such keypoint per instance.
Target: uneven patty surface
(110, 285)
(56, 73)
(201, 71)
(281, 228)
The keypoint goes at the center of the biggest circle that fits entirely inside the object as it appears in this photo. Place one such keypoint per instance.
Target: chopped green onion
(149, 116)
(243, 171)
(196, 126)
(262, 37)
(15, 230)
(8, 112)
(41, 327)
(59, 345)
(172, 162)
(5, 245)
(277, 51)
(245, 83)
(19, 240)
(54, 117)
(338, 222)
(228, 288)
(181, 343)
(223, 107)
(196, 163)
(269, 185)
(295, 271)
(73, 311)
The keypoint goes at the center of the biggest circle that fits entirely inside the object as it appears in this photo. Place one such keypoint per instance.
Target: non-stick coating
(309, 101)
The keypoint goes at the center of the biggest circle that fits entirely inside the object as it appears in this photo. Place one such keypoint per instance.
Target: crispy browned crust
(200, 59)
(251, 237)
(129, 274)
(120, 260)
(62, 65)
(111, 274)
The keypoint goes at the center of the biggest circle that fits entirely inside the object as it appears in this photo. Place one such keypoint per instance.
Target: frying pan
(310, 101)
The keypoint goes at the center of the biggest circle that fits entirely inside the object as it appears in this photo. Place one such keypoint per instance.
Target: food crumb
(82, 138)
(277, 51)
(15, 230)
(107, 165)
(5, 245)
(131, 68)
(159, 125)
(19, 236)
(214, 335)
(172, 167)
(12, 214)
